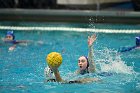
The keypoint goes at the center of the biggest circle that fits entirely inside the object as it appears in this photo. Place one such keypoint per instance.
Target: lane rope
(21, 28)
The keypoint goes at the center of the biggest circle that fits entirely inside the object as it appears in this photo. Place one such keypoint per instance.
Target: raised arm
(56, 74)
(91, 40)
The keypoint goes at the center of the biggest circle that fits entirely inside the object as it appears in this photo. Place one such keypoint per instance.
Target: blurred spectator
(25, 4)
(136, 5)
(7, 3)
(37, 4)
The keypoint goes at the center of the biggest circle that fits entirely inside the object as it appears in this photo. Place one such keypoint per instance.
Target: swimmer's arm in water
(79, 81)
(88, 80)
(60, 80)
(91, 40)
(22, 41)
(12, 47)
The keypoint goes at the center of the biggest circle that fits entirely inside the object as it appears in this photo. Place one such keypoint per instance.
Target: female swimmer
(124, 49)
(10, 38)
(86, 65)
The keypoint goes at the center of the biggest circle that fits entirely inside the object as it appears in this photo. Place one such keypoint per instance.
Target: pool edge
(72, 16)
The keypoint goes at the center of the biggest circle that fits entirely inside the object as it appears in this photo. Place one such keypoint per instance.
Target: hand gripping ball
(54, 59)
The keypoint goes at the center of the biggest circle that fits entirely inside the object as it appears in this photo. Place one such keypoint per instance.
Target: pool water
(22, 70)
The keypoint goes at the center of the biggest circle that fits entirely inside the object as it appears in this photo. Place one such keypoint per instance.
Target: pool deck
(76, 16)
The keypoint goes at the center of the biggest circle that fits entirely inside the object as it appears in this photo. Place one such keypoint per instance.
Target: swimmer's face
(9, 37)
(82, 63)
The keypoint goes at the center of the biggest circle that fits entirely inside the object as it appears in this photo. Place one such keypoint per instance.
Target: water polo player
(86, 65)
(138, 41)
(125, 49)
(10, 39)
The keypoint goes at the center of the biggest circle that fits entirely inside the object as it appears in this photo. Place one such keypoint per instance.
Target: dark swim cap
(87, 61)
(138, 41)
(11, 33)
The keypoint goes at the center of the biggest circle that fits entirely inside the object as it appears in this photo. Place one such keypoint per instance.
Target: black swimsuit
(82, 72)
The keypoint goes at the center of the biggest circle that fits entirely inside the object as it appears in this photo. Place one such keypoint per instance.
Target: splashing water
(23, 69)
(110, 61)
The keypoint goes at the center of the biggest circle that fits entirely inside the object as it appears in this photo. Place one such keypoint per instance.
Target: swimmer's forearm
(91, 60)
(57, 76)
(90, 53)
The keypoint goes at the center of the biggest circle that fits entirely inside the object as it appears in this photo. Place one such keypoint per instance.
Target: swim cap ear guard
(11, 33)
(138, 41)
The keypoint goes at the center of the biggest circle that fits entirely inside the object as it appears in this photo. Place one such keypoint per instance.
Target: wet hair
(87, 61)
(82, 72)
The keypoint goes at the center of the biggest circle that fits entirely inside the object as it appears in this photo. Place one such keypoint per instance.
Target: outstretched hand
(91, 39)
(12, 48)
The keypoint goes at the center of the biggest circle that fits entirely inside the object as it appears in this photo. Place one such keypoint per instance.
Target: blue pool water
(22, 70)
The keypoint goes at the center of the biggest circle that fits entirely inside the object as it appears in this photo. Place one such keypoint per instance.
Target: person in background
(137, 46)
(85, 64)
(10, 39)
(138, 42)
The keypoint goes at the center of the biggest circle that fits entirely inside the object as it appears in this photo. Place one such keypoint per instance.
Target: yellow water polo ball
(54, 59)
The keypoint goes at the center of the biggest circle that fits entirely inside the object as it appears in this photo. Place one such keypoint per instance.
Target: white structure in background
(87, 2)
